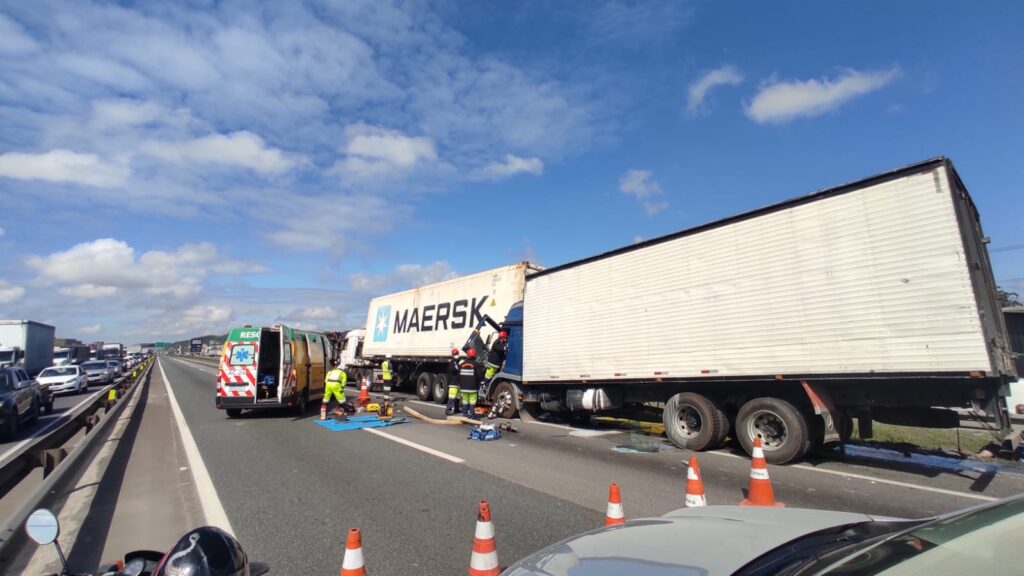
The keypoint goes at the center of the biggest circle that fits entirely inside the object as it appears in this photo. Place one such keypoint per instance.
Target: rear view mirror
(42, 526)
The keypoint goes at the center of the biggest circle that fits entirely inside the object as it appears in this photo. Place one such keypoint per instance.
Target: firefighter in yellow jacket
(334, 386)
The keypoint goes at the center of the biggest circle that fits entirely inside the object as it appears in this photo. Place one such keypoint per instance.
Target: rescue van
(271, 367)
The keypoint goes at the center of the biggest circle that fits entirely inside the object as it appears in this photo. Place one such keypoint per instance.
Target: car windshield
(7, 356)
(94, 365)
(981, 541)
(62, 371)
(60, 354)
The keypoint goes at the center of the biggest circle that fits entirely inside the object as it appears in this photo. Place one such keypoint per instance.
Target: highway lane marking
(59, 420)
(208, 499)
(874, 479)
(416, 446)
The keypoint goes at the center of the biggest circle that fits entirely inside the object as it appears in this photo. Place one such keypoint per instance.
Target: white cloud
(241, 149)
(13, 39)
(63, 166)
(724, 75)
(317, 313)
(373, 152)
(511, 166)
(95, 328)
(317, 223)
(107, 267)
(90, 291)
(10, 293)
(641, 185)
(404, 276)
(781, 101)
(126, 112)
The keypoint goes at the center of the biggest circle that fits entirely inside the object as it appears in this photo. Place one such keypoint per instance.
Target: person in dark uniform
(470, 376)
(496, 355)
(454, 403)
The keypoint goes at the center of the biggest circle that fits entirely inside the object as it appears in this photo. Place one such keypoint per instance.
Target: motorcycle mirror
(42, 526)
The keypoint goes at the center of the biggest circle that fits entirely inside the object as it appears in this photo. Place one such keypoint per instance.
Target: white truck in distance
(417, 329)
(27, 344)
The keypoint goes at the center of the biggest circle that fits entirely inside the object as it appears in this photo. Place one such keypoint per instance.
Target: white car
(64, 379)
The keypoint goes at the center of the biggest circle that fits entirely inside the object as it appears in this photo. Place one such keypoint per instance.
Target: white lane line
(37, 433)
(208, 500)
(874, 479)
(416, 446)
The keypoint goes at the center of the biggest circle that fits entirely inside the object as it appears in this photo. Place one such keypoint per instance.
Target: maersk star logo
(380, 327)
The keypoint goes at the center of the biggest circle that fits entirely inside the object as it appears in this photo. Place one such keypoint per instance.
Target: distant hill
(209, 339)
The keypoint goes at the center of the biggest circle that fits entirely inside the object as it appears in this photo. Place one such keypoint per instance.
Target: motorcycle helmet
(206, 551)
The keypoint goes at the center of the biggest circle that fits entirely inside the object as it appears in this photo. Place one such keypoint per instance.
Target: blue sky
(171, 169)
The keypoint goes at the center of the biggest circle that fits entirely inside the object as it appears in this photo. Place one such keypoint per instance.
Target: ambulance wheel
(440, 388)
(233, 412)
(303, 404)
(424, 386)
(694, 422)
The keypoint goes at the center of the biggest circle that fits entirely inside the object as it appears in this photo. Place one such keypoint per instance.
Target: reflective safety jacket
(470, 375)
(336, 375)
(385, 370)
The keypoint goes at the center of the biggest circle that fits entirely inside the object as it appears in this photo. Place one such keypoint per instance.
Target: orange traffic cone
(614, 514)
(694, 486)
(352, 564)
(364, 394)
(484, 561)
(760, 493)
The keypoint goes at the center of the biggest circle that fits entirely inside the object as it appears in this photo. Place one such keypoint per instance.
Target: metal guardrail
(50, 453)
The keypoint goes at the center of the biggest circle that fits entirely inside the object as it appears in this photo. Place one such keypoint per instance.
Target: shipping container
(873, 298)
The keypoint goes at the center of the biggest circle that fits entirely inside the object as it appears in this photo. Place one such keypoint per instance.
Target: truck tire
(694, 422)
(783, 429)
(34, 411)
(440, 388)
(233, 412)
(506, 398)
(424, 386)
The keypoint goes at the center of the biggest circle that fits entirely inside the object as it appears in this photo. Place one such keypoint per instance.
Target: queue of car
(22, 399)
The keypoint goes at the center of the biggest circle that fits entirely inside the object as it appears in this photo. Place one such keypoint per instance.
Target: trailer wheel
(233, 412)
(784, 431)
(424, 386)
(694, 422)
(505, 399)
(440, 388)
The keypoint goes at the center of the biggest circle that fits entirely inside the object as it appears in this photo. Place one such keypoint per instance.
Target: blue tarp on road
(357, 422)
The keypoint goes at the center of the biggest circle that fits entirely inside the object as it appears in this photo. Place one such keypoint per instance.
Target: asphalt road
(62, 405)
(291, 488)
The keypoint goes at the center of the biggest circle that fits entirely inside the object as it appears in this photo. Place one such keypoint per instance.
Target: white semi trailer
(874, 299)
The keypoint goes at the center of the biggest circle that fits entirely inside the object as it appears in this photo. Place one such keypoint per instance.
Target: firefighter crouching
(334, 387)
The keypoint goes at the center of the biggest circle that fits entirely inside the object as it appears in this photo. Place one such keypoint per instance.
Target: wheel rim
(688, 421)
(769, 427)
(503, 400)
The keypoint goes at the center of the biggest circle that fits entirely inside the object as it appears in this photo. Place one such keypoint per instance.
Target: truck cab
(10, 356)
